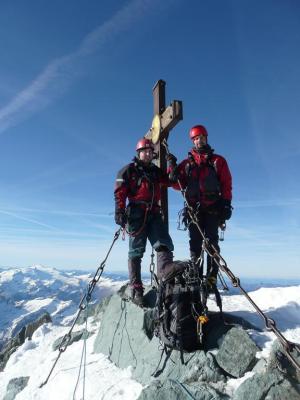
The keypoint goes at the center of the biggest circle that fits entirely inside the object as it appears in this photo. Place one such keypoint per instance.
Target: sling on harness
(147, 205)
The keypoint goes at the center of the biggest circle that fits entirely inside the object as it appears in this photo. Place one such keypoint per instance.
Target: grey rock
(278, 360)
(268, 386)
(26, 332)
(15, 386)
(237, 353)
(203, 368)
(283, 391)
(260, 366)
(75, 337)
(33, 326)
(173, 389)
(91, 310)
(126, 337)
(100, 308)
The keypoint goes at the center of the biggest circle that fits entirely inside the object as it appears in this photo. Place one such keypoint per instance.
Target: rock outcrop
(26, 332)
(127, 337)
(243, 358)
(15, 386)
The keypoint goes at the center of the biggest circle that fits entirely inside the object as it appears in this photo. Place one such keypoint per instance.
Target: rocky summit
(126, 336)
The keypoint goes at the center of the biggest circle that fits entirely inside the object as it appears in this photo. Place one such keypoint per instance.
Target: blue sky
(76, 84)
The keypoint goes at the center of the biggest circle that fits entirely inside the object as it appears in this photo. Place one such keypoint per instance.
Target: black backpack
(180, 311)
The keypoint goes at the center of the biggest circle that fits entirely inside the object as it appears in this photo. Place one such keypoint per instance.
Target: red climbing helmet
(144, 144)
(197, 130)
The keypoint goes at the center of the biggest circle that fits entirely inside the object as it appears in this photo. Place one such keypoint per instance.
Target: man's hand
(225, 210)
(211, 282)
(120, 217)
(172, 160)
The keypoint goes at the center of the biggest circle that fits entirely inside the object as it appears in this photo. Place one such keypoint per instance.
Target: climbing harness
(211, 250)
(148, 208)
(82, 306)
(140, 230)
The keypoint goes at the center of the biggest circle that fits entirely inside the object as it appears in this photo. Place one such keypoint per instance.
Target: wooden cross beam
(164, 120)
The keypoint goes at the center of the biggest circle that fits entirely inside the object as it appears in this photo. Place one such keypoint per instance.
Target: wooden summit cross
(164, 120)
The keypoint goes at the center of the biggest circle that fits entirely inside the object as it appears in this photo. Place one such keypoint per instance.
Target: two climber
(206, 179)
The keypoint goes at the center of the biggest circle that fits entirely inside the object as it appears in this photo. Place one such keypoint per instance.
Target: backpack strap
(168, 352)
(218, 300)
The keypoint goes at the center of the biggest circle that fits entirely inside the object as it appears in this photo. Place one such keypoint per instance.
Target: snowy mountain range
(27, 293)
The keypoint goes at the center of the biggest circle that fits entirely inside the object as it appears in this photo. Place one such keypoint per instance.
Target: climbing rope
(140, 230)
(148, 208)
(82, 364)
(184, 388)
(211, 250)
(82, 305)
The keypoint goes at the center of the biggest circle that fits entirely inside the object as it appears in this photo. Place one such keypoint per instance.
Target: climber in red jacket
(137, 196)
(207, 180)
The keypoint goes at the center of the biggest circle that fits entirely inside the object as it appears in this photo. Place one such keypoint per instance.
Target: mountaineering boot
(137, 296)
(135, 281)
(166, 267)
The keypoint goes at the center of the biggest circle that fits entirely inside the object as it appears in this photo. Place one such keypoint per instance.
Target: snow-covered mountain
(26, 293)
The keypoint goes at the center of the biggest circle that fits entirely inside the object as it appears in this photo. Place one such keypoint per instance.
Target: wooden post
(168, 117)
(159, 100)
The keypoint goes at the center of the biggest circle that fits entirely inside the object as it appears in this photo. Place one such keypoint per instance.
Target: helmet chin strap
(204, 149)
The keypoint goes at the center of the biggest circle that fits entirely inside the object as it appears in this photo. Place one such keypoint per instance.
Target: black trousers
(209, 223)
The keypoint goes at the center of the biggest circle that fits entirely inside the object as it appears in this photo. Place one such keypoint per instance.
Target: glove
(171, 160)
(120, 217)
(226, 210)
(211, 282)
(174, 175)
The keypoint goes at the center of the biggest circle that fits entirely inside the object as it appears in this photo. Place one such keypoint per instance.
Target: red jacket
(140, 184)
(206, 178)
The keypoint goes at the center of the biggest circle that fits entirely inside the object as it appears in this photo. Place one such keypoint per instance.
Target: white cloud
(59, 73)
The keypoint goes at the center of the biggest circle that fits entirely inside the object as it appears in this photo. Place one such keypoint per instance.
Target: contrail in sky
(61, 72)
(33, 221)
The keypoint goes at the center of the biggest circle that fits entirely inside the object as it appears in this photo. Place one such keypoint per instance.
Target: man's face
(146, 155)
(200, 141)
